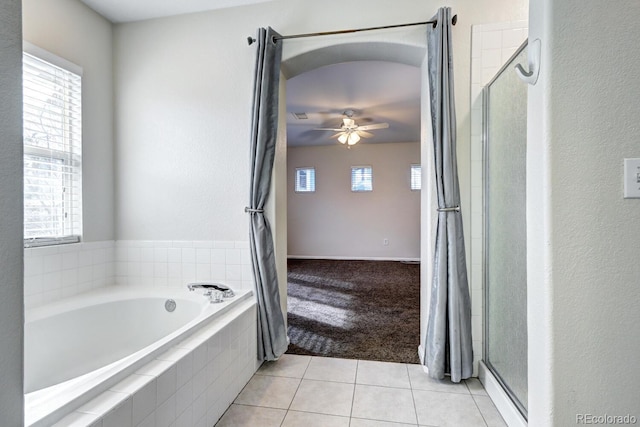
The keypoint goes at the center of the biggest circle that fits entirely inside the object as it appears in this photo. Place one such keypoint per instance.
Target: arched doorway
(406, 46)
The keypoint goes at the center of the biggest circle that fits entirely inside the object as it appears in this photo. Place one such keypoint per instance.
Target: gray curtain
(448, 346)
(272, 334)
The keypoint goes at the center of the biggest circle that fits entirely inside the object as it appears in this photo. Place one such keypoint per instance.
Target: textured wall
(11, 313)
(71, 30)
(584, 274)
(183, 102)
(336, 222)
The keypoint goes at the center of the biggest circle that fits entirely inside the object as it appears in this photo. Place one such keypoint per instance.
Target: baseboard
(421, 355)
(352, 258)
(505, 406)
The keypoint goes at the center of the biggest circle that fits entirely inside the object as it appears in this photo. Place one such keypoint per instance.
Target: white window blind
(416, 177)
(361, 178)
(305, 180)
(52, 153)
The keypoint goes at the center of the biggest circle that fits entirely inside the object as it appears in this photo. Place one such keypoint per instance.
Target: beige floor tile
(447, 409)
(332, 369)
(384, 374)
(420, 380)
(358, 422)
(267, 391)
(251, 416)
(384, 404)
(307, 419)
(475, 386)
(323, 397)
(489, 411)
(288, 365)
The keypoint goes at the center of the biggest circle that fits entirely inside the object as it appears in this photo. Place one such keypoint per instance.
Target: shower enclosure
(505, 253)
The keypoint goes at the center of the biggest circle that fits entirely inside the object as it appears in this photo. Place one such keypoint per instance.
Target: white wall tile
(218, 256)
(234, 272)
(160, 254)
(203, 272)
(185, 418)
(203, 255)
(149, 421)
(218, 272)
(167, 383)
(147, 254)
(121, 416)
(188, 255)
(174, 255)
(233, 256)
(224, 244)
(492, 40)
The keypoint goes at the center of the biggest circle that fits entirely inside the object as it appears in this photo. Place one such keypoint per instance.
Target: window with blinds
(52, 123)
(416, 177)
(305, 180)
(361, 178)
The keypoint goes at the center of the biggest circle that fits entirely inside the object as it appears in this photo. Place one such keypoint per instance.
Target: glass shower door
(505, 234)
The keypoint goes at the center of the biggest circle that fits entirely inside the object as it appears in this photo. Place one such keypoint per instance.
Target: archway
(407, 46)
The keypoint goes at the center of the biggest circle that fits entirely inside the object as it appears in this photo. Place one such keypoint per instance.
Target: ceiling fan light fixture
(342, 138)
(354, 138)
(348, 122)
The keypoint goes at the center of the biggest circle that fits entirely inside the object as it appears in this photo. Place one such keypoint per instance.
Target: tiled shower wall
(491, 46)
(55, 272)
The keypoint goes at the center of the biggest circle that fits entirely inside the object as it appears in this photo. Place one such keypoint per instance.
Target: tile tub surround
(176, 263)
(190, 385)
(55, 272)
(318, 391)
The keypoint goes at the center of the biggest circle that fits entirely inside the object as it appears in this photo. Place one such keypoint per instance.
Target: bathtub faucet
(210, 287)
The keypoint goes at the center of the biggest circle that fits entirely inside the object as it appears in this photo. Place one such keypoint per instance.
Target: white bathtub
(77, 348)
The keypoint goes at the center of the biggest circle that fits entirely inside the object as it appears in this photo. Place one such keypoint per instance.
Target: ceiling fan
(350, 132)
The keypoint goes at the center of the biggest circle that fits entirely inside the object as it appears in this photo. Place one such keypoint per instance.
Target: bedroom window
(361, 178)
(305, 180)
(52, 129)
(416, 177)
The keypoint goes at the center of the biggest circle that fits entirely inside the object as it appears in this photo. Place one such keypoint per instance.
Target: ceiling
(378, 92)
(136, 10)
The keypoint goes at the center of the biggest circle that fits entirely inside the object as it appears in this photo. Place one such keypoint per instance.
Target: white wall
(11, 313)
(76, 33)
(335, 222)
(583, 237)
(183, 102)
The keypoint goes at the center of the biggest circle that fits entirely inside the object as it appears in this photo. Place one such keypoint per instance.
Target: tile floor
(326, 392)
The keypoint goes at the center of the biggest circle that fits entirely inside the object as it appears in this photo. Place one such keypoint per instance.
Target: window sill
(35, 242)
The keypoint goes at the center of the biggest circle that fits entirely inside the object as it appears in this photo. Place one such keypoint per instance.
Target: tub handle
(226, 291)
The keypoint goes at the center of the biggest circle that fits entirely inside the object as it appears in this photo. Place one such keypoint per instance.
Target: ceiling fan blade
(331, 129)
(364, 134)
(374, 126)
(336, 135)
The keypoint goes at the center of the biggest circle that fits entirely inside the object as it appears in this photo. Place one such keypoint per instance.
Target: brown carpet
(354, 309)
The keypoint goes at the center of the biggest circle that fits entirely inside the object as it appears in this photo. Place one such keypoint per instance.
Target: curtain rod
(251, 40)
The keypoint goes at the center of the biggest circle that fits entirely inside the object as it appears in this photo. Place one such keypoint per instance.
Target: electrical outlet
(385, 242)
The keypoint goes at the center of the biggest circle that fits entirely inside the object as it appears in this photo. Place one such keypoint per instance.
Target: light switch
(631, 178)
